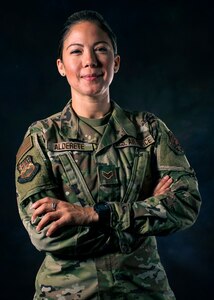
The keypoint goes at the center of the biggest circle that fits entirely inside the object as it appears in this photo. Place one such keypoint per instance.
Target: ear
(116, 63)
(60, 67)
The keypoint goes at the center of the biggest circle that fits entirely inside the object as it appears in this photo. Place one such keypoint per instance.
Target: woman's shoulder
(44, 125)
(51, 122)
(144, 120)
(142, 117)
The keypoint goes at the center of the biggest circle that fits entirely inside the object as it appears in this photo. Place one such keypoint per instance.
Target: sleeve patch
(27, 169)
(174, 144)
(25, 146)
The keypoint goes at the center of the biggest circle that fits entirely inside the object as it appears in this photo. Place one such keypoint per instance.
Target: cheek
(71, 75)
(71, 69)
(109, 66)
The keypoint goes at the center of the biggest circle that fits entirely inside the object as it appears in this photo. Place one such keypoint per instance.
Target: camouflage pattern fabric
(67, 159)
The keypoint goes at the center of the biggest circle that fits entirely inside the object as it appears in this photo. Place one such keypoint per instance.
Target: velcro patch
(107, 174)
(70, 146)
(174, 144)
(132, 142)
(26, 145)
(27, 169)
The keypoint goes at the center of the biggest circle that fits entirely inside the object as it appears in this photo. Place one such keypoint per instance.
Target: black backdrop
(167, 62)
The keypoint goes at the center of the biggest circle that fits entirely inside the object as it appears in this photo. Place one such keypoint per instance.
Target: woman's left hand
(163, 186)
(60, 213)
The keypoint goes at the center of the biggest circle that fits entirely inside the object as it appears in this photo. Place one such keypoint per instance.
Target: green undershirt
(98, 124)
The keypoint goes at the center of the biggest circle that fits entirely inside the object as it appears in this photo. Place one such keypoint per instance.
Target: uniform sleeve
(35, 180)
(177, 209)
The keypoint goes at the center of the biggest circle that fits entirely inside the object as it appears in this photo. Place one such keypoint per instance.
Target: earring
(63, 74)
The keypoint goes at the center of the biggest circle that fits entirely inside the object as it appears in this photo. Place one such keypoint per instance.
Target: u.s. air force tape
(130, 142)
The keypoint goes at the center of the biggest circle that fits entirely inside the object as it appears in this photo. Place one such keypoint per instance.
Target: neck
(95, 108)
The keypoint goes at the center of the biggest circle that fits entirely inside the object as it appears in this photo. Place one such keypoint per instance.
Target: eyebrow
(81, 45)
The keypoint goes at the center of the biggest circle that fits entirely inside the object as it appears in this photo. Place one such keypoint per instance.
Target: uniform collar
(69, 126)
(122, 123)
(119, 125)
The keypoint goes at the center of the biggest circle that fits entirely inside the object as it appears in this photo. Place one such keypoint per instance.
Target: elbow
(39, 241)
(188, 214)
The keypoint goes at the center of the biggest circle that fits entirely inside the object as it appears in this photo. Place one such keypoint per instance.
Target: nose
(90, 59)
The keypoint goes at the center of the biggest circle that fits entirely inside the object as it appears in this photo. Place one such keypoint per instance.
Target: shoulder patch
(27, 169)
(26, 145)
(174, 144)
(152, 122)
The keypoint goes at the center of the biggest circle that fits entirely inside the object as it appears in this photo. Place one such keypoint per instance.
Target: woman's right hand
(60, 213)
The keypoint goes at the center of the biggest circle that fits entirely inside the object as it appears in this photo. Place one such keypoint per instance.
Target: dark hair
(86, 15)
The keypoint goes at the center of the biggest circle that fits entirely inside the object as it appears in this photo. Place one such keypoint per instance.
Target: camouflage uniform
(63, 158)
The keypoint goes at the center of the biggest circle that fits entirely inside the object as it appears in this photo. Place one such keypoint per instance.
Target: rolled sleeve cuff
(120, 215)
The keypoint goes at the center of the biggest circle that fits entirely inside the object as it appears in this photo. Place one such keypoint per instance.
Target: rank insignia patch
(174, 144)
(107, 174)
(27, 169)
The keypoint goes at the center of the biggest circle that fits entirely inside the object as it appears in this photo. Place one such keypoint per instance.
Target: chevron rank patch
(27, 169)
(107, 174)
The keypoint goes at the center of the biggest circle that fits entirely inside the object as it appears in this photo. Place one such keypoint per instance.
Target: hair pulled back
(86, 15)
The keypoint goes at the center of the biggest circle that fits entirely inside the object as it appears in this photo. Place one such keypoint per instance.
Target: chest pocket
(75, 178)
(75, 186)
(108, 181)
(139, 153)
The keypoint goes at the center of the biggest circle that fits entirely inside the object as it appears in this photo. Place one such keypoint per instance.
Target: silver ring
(53, 205)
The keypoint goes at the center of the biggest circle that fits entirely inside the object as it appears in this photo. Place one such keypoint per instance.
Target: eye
(101, 49)
(75, 51)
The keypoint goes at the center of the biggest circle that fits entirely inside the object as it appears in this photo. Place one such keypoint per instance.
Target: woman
(96, 183)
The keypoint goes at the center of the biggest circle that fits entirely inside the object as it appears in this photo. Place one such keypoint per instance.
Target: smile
(91, 77)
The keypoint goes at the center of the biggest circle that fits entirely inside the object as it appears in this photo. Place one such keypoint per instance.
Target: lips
(92, 76)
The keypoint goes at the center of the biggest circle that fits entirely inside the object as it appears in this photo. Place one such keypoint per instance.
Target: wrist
(95, 216)
(103, 212)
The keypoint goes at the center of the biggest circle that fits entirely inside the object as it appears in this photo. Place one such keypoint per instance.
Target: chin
(94, 93)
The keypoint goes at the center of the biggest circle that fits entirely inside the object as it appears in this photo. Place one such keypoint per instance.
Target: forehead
(86, 30)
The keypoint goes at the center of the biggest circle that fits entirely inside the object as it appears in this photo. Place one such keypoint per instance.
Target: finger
(42, 209)
(55, 226)
(162, 181)
(162, 190)
(163, 186)
(39, 202)
(38, 212)
(46, 219)
(166, 183)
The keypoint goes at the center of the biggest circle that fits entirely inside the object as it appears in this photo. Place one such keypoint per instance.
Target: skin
(89, 64)
(71, 214)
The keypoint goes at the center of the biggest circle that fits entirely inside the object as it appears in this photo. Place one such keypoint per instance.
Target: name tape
(72, 146)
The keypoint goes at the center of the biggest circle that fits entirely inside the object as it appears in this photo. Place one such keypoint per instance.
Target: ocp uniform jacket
(64, 158)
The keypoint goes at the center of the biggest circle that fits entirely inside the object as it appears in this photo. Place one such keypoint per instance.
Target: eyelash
(75, 51)
(99, 49)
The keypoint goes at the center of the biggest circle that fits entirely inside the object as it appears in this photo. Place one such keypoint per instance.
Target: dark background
(167, 62)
